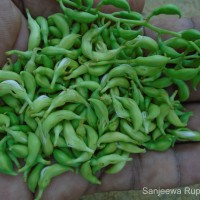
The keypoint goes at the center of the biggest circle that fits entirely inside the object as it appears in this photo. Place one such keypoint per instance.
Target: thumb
(13, 31)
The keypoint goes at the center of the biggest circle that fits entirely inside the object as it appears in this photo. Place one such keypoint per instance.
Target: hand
(176, 167)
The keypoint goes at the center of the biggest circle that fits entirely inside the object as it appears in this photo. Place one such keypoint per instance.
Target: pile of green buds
(91, 89)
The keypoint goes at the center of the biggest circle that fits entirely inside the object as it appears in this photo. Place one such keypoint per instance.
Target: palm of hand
(169, 169)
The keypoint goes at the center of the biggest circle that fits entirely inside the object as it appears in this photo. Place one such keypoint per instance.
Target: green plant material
(92, 89)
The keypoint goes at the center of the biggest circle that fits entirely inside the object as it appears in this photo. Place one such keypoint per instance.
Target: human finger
(13, 187)
(49, 7)
(13, 32)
